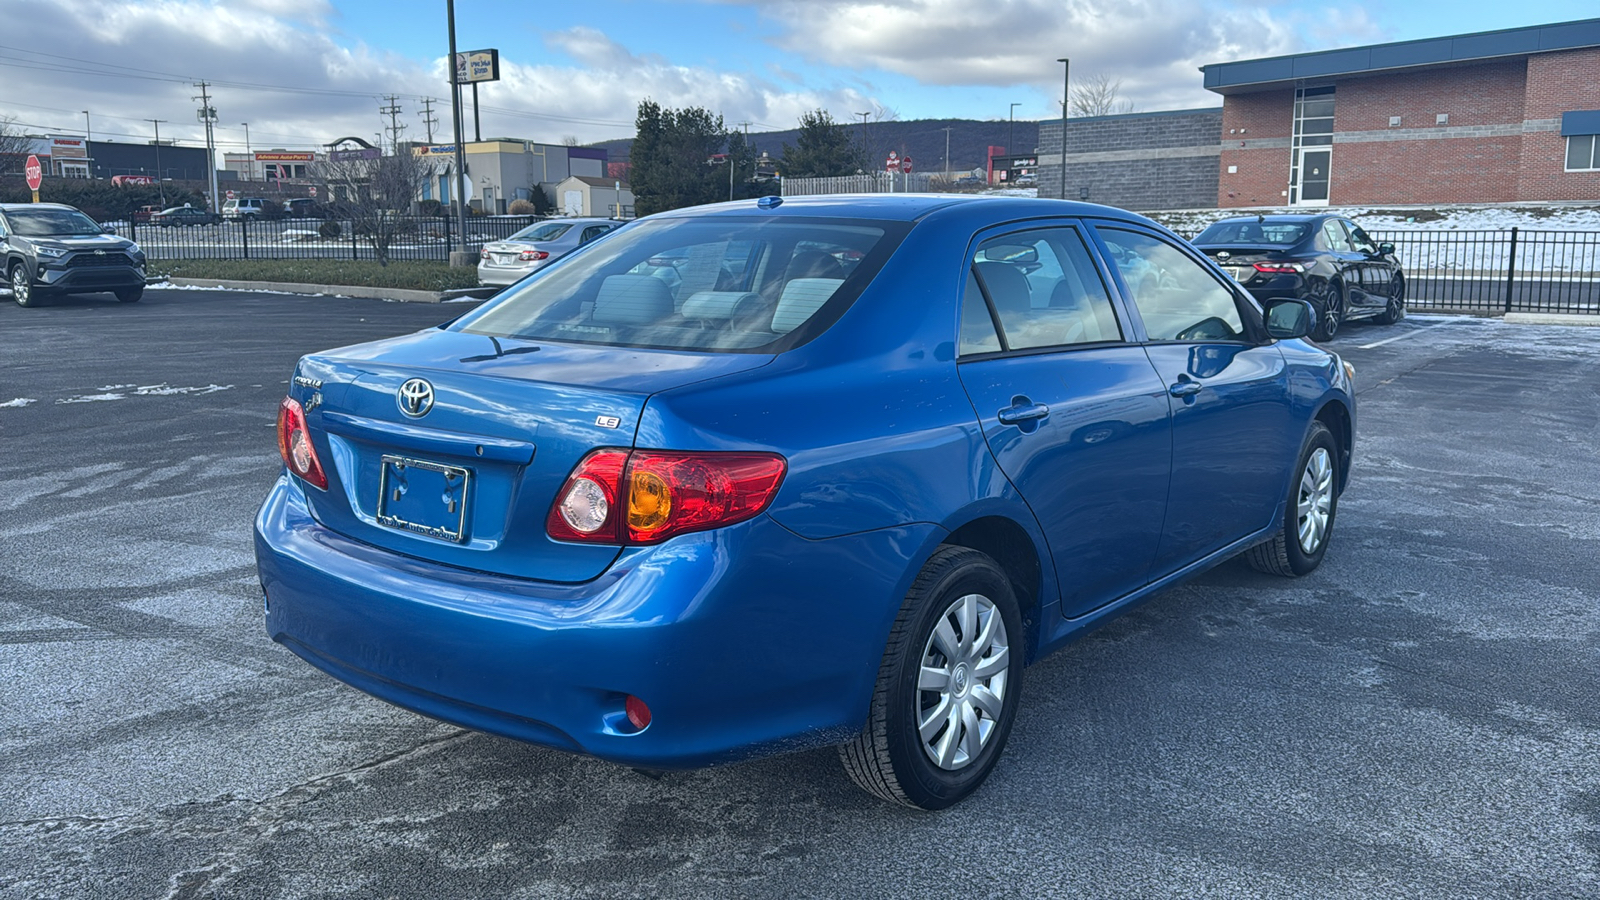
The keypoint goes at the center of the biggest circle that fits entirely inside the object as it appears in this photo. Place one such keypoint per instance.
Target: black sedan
(1325, 259)
(184, 215)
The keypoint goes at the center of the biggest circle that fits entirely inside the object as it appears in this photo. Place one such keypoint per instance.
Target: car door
(1377, 272)
(1074, 413)
(1233, 431)
(1350, 264)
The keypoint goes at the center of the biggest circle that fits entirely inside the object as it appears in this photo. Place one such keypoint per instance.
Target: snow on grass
(18, 403)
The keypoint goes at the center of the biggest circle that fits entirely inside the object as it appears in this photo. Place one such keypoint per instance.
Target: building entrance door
(1314, 176)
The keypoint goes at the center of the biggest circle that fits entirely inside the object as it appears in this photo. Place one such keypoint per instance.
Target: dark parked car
(835, 482)
(1326, 259)
(184, 215)
(50, 248)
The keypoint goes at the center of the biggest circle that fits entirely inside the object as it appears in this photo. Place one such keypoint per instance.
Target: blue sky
(305, 71)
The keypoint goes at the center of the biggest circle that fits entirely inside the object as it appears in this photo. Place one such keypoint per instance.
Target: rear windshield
(1252, 232)
(720, 284)
(543, 231)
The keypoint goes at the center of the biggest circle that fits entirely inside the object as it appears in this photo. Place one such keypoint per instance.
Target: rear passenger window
(1177, 298)
(1042, 287)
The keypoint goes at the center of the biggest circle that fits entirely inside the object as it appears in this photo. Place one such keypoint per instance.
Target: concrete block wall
(1139, 161)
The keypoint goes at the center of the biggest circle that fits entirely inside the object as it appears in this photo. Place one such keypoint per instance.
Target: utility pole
(866, 150)
(456, 199)
(249, 155)
(88, 135)
(208, 114)
(393, 112)
(1066, 82)
(161, 188)
(428, 118)
(946, 131)
(1011, 130)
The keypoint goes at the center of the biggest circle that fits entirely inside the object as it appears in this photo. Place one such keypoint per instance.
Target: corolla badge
(415, 398)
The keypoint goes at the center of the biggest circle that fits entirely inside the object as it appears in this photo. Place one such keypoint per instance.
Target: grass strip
(403, 274)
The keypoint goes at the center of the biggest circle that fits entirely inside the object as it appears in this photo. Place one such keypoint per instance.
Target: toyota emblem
(1223, 254)
(415, 398)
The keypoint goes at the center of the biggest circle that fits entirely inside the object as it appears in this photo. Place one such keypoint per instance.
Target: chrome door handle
(1185, 389)
(1014, 415)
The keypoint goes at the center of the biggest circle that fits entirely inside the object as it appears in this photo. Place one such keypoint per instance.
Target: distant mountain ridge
(921, 139)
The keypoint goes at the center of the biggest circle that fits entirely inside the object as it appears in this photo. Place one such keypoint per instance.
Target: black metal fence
(417, 238)
(1507, 270)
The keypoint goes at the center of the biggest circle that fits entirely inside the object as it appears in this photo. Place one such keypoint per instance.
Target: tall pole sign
(35, 173)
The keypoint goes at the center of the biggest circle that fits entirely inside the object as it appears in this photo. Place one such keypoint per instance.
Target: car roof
(15, 207)
(912, 207)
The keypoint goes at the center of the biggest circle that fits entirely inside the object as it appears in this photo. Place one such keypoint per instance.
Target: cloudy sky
(303, 72)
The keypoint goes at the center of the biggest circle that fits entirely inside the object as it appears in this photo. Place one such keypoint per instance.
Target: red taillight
(294, 444)
(484, 253)
(532, 255)
(1280, 268)
(647, 496)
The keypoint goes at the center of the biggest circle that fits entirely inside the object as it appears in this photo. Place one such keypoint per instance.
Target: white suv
(247, 206)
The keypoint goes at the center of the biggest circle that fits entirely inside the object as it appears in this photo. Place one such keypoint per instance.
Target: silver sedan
(538, 245)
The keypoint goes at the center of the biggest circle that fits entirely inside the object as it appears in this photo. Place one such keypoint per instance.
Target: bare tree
(14, 146)
(377, 195)
(1097, 96)
(570, 140)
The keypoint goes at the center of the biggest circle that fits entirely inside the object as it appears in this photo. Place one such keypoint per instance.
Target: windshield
(721, 284)
(51, 223)
(543, 231)
(1254, 232)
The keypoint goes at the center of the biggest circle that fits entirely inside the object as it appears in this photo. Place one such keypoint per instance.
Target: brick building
(1495, 117)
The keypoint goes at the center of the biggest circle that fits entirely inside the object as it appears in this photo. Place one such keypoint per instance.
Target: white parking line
(1412, 334)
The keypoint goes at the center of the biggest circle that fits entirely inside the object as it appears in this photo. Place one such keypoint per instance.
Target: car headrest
(632, 300)
(717, 305)
(1008, 287)
(812, 264)
(801, 298)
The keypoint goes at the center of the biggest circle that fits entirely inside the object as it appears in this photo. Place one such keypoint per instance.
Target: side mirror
(1288, 319)
(1386, 249)
(108, 229)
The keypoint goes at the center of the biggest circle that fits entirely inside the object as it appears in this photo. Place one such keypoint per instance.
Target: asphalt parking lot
(1419, 718)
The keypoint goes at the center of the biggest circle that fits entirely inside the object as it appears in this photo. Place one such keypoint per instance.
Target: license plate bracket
(423, 497)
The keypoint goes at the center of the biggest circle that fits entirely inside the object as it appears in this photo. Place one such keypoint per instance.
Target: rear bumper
(743, 641)
(489, 273)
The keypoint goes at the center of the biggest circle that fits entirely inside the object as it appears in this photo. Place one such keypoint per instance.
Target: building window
(1311, 153)
(1583, 152)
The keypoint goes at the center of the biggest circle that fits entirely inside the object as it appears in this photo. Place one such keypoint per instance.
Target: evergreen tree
(672, 158)
(823, 149)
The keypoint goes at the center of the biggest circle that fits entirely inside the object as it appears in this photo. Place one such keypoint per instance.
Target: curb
(343, 290)
(1524, 318)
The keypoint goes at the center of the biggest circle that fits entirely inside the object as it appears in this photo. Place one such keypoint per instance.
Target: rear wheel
(1396, 310)
(1308, 514)
(22, 286)
(130, 295)
(1332, 314)
(947, 688)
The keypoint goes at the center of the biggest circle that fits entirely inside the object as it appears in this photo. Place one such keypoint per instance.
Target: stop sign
(313, 190)
(905, 164)
(35, 173)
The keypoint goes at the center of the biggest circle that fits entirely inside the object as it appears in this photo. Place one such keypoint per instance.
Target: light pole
(161, 188)
(1011, 130)
(865, 150)
(459, 188)
(1066, 75)
(249, 156)
(88, 135)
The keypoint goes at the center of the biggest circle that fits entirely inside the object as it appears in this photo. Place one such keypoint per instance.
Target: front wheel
(1396, 309)
(130, 295)
(1308, 512)
(22, 286)
(947, 688)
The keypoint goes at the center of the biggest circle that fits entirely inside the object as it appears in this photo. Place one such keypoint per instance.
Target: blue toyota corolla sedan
(763, 476)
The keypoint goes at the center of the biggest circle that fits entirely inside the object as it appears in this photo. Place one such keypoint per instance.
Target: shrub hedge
(409, 275)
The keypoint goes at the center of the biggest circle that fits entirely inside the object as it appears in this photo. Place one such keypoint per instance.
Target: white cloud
(1153, 46)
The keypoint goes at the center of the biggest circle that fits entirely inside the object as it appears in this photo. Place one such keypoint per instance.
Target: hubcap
(961, 689)
(19, 285)
(1316, 500)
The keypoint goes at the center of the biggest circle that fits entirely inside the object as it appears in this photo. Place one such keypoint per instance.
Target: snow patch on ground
(121, 392)
(18, 403)
(1440, 218)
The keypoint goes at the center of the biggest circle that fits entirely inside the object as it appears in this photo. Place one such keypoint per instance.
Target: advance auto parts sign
(477, 65)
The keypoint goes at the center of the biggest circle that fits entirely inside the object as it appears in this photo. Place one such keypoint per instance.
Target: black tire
(22, 289)
(1285, 554)
(1332, 314)
(130, 295)
(889, 759)
(1396, 309)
